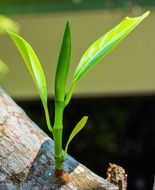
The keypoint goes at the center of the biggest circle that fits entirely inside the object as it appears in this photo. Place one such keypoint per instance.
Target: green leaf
(102, 47)
(35, 69)
(32, 63)
(105, 44)
(75, 131)
(63, 65)
(7, 23)
(3, 68)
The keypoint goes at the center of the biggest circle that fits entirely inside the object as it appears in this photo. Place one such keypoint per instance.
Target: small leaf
(7, 23)
(33, 64)
(102, 47)
(3, 68)
(63, 65)
(75, 131)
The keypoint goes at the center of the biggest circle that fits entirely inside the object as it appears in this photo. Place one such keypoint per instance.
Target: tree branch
(26, 156)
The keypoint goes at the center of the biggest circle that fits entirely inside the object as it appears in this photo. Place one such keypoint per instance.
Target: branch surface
(26, 156)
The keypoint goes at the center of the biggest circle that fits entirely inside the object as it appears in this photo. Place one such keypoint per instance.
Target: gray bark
(26, 156)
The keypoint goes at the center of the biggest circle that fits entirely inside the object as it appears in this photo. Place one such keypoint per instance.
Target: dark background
(120, 130)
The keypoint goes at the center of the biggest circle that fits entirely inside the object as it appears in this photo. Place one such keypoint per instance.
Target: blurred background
(118, 95)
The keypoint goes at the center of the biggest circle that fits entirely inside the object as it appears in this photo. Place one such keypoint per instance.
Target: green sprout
(90, 58)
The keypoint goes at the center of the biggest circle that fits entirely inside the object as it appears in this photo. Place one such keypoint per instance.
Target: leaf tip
(67, 26)
(67, 23)
(85, 119)
(146, 14)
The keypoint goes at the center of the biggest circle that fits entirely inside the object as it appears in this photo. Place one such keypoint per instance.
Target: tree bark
(26, 156)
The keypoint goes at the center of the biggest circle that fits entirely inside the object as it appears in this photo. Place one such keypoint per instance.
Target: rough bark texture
(26, 156)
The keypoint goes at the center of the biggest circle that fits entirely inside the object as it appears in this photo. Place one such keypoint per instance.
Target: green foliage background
(27, 6)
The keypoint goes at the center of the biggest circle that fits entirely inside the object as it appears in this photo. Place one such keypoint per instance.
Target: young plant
(90, 58)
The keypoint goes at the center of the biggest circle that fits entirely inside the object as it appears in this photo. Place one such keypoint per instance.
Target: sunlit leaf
(32, 63)
(63, 65)
(35, 69)
(75, 131)
(102, 47)
(105, 44)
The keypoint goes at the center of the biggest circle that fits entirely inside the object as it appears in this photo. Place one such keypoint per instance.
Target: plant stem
(57, 133)
(47, 118)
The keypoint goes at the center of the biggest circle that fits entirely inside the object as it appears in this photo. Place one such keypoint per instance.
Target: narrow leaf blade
(100, 48)
(32, 63)
(105, 44)
(63, 65)
(75, 131)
